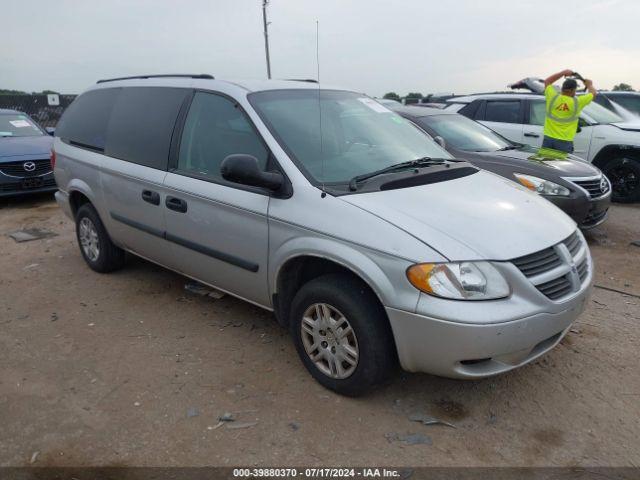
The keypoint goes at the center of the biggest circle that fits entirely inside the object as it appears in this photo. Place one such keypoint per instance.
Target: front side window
(18, 125)
(216, 128)
(503, 111)
(537, 112)
(335, 135)
(463, 133)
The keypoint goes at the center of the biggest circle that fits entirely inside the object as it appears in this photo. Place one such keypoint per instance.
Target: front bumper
(458, 350)
(466, 339)
(586, 212)
(14, 186)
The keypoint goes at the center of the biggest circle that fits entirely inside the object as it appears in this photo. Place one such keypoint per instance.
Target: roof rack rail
(308, 80)
(164, 75)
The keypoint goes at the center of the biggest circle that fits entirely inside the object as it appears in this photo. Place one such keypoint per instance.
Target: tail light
(52, 158)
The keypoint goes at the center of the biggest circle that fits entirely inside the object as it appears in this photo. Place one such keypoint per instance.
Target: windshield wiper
(419, 162)
(508, 147)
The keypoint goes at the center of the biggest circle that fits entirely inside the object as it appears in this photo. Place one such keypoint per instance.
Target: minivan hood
(477, 217)
(17, 146)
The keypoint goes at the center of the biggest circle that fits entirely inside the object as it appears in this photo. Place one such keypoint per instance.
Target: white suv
(603, 138)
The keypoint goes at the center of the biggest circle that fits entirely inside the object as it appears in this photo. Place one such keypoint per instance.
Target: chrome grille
(559, 270)
(538, 262)
(16, 169)
(596, 186)
(556, 288)
(573, 244)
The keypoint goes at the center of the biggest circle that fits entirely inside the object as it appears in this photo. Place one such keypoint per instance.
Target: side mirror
(51, 131)
(244, 169)
(440, 141)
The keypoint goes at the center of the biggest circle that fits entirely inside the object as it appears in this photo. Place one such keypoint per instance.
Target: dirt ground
(129, 369)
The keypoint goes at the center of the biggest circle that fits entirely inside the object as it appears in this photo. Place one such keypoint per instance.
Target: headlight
(459, 281)
(541, 186)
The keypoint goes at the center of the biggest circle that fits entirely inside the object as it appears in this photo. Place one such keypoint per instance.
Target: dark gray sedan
(575, 186)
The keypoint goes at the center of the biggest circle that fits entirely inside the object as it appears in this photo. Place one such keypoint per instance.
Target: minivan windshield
(463, 133)
(16, 125)
(336, 135)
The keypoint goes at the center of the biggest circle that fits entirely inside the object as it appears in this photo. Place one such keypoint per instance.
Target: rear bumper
(466, 350)
(63, 202)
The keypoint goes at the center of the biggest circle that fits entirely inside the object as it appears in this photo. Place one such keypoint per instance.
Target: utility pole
(266, 36)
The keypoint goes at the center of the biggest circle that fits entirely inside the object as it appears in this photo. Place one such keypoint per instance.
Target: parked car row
(368, 240)
(604, 138)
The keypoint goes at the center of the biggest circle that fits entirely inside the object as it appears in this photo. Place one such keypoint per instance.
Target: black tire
(109, 257)
(354, 300)
(624, 175)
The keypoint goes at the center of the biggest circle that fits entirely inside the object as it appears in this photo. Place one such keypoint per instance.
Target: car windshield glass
(463, 133)
(630, 102)
(599, 114)
(336, 135)
(16, 125)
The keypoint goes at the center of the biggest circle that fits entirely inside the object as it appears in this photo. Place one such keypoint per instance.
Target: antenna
(266, 36)
(324, 193)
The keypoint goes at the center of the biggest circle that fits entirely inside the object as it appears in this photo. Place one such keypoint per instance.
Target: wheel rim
(623, 180)
(89, 239)
(329, 341)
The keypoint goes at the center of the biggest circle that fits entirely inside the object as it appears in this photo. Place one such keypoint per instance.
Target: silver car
(366, 239)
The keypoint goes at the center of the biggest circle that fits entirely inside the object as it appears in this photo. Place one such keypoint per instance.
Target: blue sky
(371, 46)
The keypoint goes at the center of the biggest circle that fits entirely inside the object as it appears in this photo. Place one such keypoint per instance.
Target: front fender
(385, 274)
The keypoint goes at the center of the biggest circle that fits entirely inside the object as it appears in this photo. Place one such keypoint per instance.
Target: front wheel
(342, 334)
(624, 175)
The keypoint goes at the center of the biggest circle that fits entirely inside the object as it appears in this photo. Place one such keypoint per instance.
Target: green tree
(412, 97)
(392, 96)
(12, 92)
(623, 87)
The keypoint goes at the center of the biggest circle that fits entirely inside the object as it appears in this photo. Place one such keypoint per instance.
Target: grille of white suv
(557, 271)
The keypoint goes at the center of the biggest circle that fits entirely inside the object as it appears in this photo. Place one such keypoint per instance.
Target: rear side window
(504, 111)
(142, 123)
(470, 109)
(85, 122)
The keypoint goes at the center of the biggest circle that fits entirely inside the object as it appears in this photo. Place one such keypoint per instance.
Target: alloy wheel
(89, 239)
(329, 341)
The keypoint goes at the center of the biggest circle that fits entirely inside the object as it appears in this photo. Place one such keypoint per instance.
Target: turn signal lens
(52, 158)
(459, 281)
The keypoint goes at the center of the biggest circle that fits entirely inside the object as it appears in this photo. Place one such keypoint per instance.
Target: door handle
(151, 197)
(176, 204)
(531, 134)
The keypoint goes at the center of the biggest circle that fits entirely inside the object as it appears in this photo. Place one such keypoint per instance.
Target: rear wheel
(342, 334)
(624, 175)
(95, 245)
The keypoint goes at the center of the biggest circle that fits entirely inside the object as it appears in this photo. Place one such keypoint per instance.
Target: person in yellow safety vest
(563, 110)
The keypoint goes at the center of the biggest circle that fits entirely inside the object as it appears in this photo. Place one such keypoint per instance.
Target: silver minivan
(366, 239)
